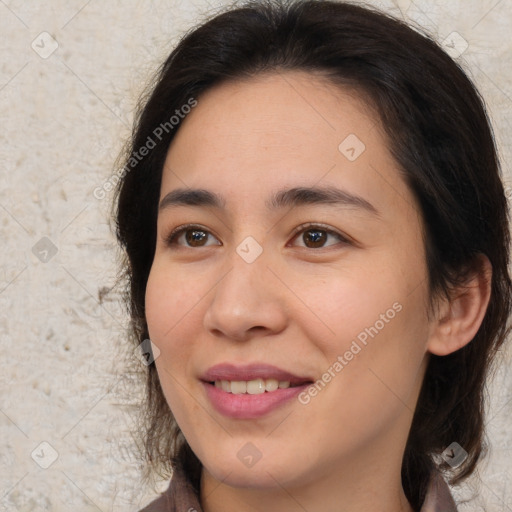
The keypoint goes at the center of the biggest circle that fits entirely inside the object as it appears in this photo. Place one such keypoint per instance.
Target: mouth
(252, 378)
(251, 391)
(253, 387)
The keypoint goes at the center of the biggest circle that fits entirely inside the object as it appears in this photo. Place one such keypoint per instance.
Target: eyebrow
(296, 196)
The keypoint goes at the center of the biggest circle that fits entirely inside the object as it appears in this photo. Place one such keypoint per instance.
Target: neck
(358, 485)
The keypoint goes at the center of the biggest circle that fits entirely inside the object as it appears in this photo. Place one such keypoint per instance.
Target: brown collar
(181, 496)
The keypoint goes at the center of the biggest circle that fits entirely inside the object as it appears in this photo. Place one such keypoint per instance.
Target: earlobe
(459, 319)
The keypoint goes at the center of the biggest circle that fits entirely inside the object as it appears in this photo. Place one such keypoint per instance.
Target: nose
(247, 302)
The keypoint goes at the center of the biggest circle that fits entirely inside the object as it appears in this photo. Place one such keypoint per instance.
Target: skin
(297, 306)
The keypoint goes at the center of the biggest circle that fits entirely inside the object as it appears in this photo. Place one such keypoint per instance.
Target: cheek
(169, 307)
(344, 303)
(374, 316)
(372, 364)
(172, 314)
(172, 298)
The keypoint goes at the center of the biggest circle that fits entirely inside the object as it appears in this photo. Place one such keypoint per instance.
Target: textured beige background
(63, 119)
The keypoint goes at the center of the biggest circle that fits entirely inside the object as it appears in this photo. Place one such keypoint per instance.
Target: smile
(251, 387)
(251, 391)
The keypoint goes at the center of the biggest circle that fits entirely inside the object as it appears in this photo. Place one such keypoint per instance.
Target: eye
(190, 235)
(315, 236)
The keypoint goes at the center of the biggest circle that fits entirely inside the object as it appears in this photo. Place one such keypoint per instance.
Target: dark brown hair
(440, 136)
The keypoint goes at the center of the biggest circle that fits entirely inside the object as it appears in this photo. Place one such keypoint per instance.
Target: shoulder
(180, 496)
(438, 497)
(162, 504)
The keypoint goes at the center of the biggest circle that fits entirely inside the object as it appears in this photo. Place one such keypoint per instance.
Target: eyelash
(170, 240)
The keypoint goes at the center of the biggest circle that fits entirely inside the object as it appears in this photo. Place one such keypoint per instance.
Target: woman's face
(308, 267)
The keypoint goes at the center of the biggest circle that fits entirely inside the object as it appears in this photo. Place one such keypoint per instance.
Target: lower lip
(246, 406)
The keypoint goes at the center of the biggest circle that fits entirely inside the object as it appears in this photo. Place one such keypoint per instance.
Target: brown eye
(190, 236)
(316, 237)
(195, 237)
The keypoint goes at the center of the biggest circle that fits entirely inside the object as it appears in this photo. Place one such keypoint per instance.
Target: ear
(458, 319)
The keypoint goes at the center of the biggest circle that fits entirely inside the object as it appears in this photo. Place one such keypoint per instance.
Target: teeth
(252, 387)
(271, 384)
(238, 387)
(255, 387)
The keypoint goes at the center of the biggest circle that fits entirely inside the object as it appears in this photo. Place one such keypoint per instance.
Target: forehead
(276, 111)
(282, 130)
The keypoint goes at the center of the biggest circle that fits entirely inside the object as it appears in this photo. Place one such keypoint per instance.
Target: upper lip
(232, 372)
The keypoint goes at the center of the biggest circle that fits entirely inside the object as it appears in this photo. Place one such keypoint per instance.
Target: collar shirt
(181, 496)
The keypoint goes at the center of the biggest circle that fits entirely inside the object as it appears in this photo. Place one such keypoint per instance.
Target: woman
(317, 241)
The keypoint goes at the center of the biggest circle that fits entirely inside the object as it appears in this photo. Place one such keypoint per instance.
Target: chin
(262, 475)
(247, 478)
